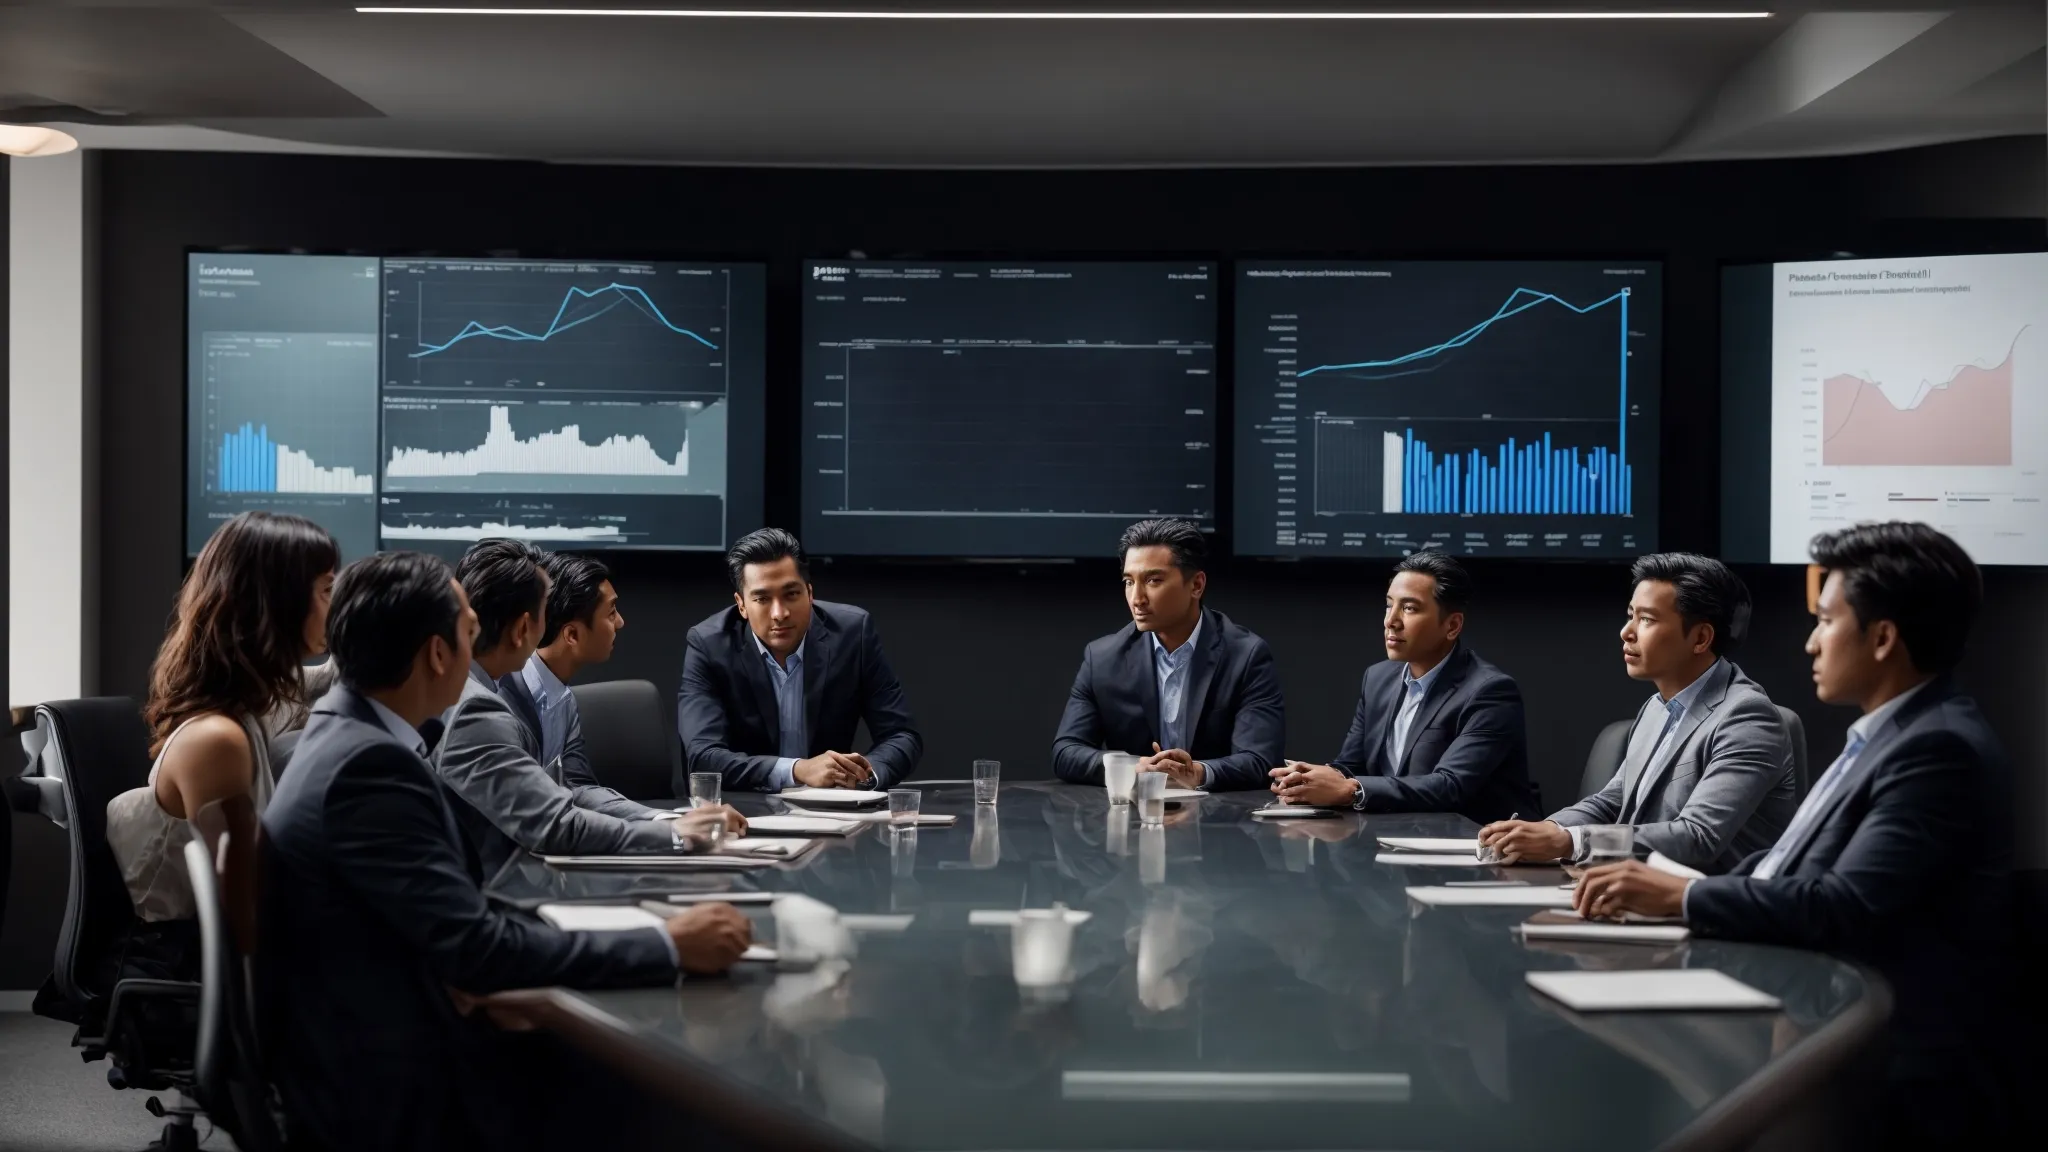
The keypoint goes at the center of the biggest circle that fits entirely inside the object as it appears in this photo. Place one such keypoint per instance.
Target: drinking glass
(1150, 791)
(707, 789)
(1609, 844)
(903, 804)
(1042, 947)
(986, 849)
(1119, 772)
(987, 774)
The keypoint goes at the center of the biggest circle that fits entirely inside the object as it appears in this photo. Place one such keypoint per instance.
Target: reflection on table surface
(1240, 983)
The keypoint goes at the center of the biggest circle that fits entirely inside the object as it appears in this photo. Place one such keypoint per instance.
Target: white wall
(50, 526)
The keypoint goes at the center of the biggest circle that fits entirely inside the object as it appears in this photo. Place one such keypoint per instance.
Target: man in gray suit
(491, 759)
(1708, 775)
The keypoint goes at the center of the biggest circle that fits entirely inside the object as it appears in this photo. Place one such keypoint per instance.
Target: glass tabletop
(1239, 983)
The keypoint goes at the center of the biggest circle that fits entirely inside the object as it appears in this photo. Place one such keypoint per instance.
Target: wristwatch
(1357, 795)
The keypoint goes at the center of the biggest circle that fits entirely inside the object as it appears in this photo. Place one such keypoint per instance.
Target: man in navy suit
(1900, 855)
(1437, 729)
(1196, 695)
(375, 929)
(774, 686)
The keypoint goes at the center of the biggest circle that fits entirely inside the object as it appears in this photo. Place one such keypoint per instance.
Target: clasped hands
(1181, 768)
(834, 770)
(1318, 785)
(1608, 892)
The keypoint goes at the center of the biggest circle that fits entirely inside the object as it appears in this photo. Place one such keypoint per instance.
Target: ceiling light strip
(822, 14)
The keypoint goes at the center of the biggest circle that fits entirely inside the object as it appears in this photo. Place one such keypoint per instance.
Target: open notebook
(620, 918)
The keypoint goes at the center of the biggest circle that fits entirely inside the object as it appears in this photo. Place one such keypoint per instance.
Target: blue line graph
(1509, 308)
(627, 294)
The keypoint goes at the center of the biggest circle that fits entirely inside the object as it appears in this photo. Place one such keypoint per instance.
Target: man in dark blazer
(375, 929)
(1900, 855)
(774, 687)
(1193, 693)
(1437, 729)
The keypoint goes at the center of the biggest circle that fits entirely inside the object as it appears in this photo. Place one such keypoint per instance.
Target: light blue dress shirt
(1865, 727)
(789, 701)
(552, 700)
(1173, 672)
(1404, 717)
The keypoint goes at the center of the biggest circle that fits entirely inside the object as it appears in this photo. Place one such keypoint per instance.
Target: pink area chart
(1966, 419)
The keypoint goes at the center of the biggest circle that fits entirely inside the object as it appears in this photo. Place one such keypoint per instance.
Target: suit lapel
(1649, 722)
(1201, 670)
(1140, 669)
(1666, 753)
(756, 676)
(817, 657)
(1866, 759)
(513, 689)
(1440, 692)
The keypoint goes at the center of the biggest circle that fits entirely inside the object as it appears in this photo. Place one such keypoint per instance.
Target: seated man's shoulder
(841, 615)
(1486, 674)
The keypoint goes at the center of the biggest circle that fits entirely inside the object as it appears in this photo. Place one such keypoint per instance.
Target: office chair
(1605, 758)
(1795, 730)
(629, 735)
(91, 751)
(230, 1076)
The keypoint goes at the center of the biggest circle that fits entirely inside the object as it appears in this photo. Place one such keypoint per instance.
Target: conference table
(1238, 983)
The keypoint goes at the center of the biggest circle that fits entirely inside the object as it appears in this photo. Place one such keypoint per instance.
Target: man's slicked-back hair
(1915, 577)
(1181, 537)
(384, 608)
(576, 585)
(1453, 585)
(765, 546)
(1708, 593)
(504, 580)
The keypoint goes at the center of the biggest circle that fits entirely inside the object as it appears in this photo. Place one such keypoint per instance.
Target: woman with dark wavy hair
(252, 610)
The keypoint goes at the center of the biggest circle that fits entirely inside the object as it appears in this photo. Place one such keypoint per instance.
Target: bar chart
(251, 462)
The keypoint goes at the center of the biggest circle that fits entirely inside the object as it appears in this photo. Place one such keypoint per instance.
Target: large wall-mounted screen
(1486, 408)
(1890, 389)
(1005, 409)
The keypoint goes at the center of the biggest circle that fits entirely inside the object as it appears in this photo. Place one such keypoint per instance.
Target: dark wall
(987, 652)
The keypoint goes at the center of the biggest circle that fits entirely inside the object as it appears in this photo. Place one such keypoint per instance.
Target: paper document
(835, 797)
(1521, 896)
(1176, 795)
(924, 819)
(760, 953)
(1007, 918)
(803, 825)
(1598, 932)
(598, 917)
(723, 898)
(1469, 846)
(1435, 860)
(781, 849)
(654, 863)
(1656, 990)
(1666, 864)
(1292, 812)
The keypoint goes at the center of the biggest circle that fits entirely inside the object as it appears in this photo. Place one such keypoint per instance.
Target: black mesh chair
(96, 749)
(230, 1082)
(1605, 759)
(1795, 731)
(629, 734)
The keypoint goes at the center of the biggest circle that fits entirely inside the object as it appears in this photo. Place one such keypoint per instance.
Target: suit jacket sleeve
(582, 784)
(1746, 755)
(1913, 839)
(1353, 757)
(1258, 733)
(700, 721)
(1077, 746)
(886, 711)
(388, 833)
(483, 759)
(1602, 807)
(1491, 724)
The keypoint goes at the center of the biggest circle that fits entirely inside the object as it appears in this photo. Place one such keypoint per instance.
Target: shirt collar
(1419, 685)
(395, 724)
(1866, 726)
(483, 678)
(541, 679)
(1179, 655)
(796, 658)
(1687, 695)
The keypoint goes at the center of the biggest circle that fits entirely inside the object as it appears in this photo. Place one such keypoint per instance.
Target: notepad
(654, 863)
(1178, 795)
(598, 917)
(1292, 812)
(1521, 896)
(803, 825)
(1597, 932)
(1007, 917)
(1433, 860)
(1667, 865)
(1469, 846)
(835, 797)
(1656, 990)
(924, 819)
(765, 846)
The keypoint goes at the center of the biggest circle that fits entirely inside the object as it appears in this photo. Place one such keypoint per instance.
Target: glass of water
(1119, 772)
(903, 805)
(987, 775)
(707, 789)
(1609, 844)
(1150, 792)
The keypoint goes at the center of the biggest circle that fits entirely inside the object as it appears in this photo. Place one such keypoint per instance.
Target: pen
(1479, 853)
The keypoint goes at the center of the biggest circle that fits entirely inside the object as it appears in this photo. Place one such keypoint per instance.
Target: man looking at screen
(1707, 777)
(1194, 694)
(1437, 729)
(775, 686)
